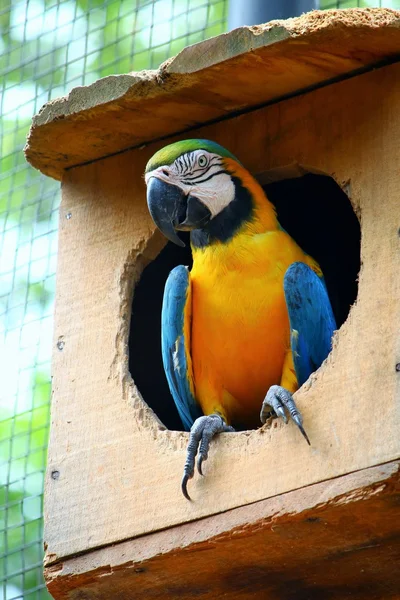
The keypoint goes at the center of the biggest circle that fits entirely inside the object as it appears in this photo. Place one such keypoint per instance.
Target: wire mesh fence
(46, 48)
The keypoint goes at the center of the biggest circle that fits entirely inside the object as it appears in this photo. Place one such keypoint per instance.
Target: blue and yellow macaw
(252, 319)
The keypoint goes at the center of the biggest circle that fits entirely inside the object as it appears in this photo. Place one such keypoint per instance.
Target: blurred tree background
(48, 47)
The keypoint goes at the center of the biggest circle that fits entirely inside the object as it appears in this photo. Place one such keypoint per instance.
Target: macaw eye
(202, 160)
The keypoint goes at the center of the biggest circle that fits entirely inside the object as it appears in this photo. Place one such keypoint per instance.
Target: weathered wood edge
(114, 93)
(349, 487)
(307, 26)
(310, 504)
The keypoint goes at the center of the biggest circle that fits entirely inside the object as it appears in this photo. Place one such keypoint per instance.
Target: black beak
(171, 210)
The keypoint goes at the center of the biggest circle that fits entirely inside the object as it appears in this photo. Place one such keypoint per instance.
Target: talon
(199, 464)
(279, 398)
(303, 433)
(281, 413)
(201, 434)
(185, 480)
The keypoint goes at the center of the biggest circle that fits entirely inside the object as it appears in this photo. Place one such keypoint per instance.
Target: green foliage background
(46, 48)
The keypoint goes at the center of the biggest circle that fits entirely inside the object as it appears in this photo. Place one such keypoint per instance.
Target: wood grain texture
(265, 62)
(333, 540)
(118, 469)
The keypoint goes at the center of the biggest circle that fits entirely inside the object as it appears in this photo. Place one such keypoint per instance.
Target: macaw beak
(172, 210)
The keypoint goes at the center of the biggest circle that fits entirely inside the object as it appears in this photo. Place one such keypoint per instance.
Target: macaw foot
(278, 398)
(201, 434)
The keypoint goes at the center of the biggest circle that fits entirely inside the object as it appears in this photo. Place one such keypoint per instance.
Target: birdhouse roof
(221, 77)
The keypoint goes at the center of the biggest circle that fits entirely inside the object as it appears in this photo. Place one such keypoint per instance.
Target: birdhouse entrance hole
(314, 210)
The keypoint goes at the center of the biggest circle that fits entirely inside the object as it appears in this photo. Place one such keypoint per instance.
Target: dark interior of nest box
(315, 211)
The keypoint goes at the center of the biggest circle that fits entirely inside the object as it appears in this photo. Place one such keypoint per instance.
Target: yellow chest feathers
(240, 327)
(257, 262)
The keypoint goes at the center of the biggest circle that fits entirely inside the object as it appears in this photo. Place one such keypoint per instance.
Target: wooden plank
(117, 472)
(246, 67)
(338, 539)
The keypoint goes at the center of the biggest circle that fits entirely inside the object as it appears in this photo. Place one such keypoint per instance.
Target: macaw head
(189, 183)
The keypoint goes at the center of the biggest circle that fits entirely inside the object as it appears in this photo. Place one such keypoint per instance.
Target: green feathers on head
(168, 154)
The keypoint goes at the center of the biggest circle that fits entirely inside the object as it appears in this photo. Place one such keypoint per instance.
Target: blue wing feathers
(311, 319)
(174, 346)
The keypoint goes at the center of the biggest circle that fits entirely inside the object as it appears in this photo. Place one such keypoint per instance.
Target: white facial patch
(201, 174)
(216, 193)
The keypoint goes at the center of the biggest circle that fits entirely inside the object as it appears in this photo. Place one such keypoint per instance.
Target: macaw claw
(278, 398)
(201, 434)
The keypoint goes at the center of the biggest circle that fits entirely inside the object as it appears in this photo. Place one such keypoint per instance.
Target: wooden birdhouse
(311, 106)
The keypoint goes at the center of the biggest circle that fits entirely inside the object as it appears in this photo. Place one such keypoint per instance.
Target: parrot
(247, 325)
